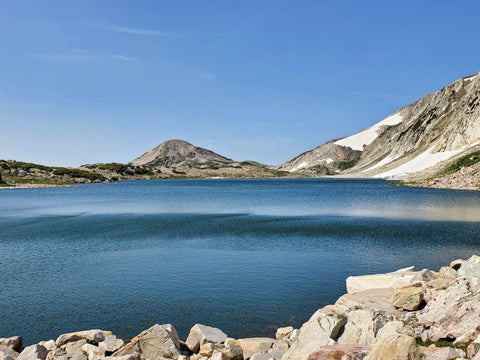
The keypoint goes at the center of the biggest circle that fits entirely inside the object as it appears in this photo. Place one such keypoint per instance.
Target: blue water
(246, 256)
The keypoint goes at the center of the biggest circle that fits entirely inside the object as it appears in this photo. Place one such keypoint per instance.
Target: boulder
(49, 345)
(408, 297)
(135, 356)
(452, 313)
(92, 336)
(323, 327)
(277, 355)
(93, 352)
(391, 329)
(74, 346)
(396, 347)
(218, 355)
(465, 339)
(280, 345)
(474, 347)
(359, 329)
(375, 300)
(33, 352)
(425, 275)
(158, 341)
(262, 356)
(233, 352)
(335, 352)
(470, 268)
(14, 342)
(111, 343)
(256, 345)
(283, 332)
(201, 334)
(379, 281)
(7, 353)
(207, 349)
(448, 272)
(442, 353)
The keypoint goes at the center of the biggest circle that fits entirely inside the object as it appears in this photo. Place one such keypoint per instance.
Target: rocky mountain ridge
(420, 139)
(403, 315)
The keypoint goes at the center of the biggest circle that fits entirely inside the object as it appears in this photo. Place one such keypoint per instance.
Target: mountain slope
(174, 152)
(418, 140)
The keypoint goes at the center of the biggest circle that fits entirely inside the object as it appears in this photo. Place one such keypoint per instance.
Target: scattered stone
(158, 341)
(408, 297)
(233, 352)
(322, 327)
(397, 347)
(92, 336)
(207, 349)
(283, 332)
(202, 334)
(14, 342)
(256, 345)
(111, 343)
(334, 352)
(33, 352)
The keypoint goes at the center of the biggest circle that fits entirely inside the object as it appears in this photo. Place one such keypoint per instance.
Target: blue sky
(101, 81)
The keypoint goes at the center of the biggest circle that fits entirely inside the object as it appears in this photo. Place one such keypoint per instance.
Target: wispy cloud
(207, 75)
(80, 55)
(124, 57)
(135, 31)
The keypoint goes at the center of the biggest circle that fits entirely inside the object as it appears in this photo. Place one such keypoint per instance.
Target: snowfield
(365, 137)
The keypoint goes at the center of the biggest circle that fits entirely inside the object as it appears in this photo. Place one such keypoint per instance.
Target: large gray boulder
(322, 329)
(202, 334)
(158, 341)
(14, 342)
(33, 352)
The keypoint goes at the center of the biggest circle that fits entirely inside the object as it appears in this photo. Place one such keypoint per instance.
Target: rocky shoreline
(406, 314)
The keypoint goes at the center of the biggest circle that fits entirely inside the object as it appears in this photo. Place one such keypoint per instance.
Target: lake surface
(246, 256)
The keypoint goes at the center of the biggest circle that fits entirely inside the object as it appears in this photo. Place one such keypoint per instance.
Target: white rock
(359, 329)
(379, 281)
(322, 327)
(92, 336)
(14, 342)
(202, 334)
(470, 268)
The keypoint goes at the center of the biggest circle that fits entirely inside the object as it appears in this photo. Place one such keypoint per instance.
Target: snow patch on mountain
(365, 137)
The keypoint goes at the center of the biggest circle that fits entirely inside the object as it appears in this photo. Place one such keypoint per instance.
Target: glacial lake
(246, 256)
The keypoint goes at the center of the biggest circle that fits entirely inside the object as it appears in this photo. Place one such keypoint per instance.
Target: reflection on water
(242, 255)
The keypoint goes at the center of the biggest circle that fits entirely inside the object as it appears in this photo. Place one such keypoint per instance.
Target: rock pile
(407, 314)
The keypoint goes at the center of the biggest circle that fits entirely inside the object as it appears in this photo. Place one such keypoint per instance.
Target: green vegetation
(403, 183)
(464, 161)
(439, 343)
(77, 173)
(344, 165)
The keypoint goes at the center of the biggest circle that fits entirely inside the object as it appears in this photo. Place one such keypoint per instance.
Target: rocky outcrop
(419, 315)
(174, 152)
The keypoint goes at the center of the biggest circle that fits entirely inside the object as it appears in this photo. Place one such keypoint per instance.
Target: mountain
(175, 152)
(422, 140)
